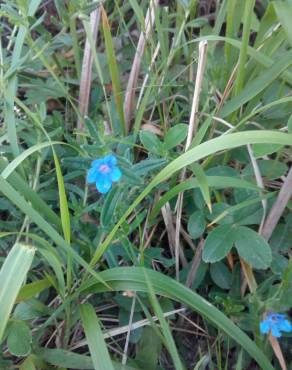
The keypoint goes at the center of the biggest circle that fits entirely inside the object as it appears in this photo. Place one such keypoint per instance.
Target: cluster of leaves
(94, 265)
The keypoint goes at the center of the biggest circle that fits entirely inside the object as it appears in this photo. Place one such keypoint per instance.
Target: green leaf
(150, 142)
(252, 247)
(175, 135)
(218, 243)
(97, 347)
(148, 349)
(19, 339)
(28, 291)
(12, 274)
(203, 183)
(168, 338)
(67, 359)
(110, 204)
(196, 224)
(270, 169)
(260, 150)
(221, 275)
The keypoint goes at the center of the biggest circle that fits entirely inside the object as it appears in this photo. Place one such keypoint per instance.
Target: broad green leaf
(252, 247)
(148, 349)
(97, 347)
(221, 275)
(271, 169)
(110, 204)
(133, 278)
(12, 275)
(30, 290)
(175, 135)
(19, 339)
(260, 150)
(28, 363)
(218, 243)
(151, 142)
(67, 359)
(196, 224)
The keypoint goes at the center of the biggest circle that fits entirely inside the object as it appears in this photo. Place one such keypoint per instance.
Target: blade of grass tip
(86, 72)
(97, 347)
(113, 68)
(192, 130)
(12, 274)
(135, 70)
(169, 341)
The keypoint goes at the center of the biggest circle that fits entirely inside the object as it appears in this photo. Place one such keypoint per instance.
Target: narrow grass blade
(113, 68)
(170, 344)
(98, 349)
(12, 275)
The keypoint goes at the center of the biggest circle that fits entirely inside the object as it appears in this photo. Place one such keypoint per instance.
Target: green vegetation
(145, 185)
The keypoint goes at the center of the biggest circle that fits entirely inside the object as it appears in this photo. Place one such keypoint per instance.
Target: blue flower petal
(110, 159)
(91, 176)
(285, 325)
(103, 184)
(115, 174)
(264, 327)
(97, 162)
(275, 331)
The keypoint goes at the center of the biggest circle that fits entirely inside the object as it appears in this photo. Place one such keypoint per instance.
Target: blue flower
(103, 173)
(275, 323)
